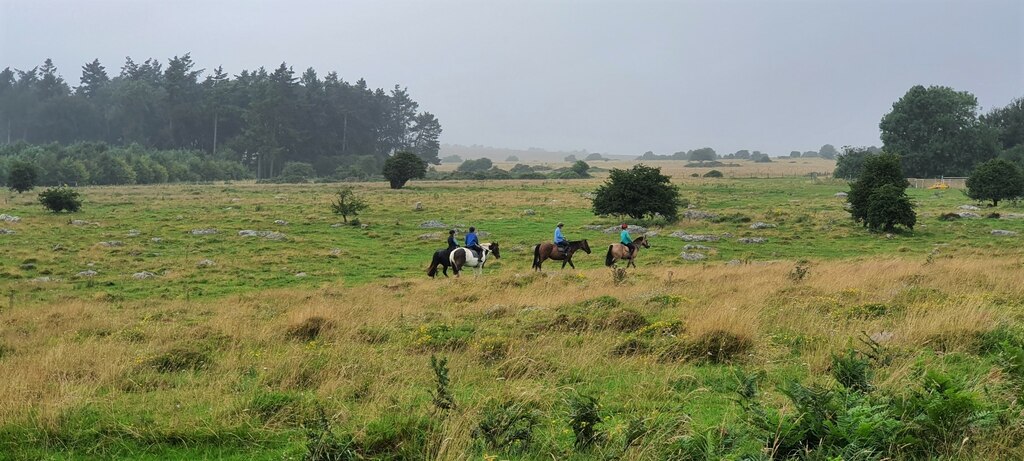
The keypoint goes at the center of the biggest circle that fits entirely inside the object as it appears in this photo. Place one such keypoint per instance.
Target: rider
(625, 240)
(452, 244)
(560, 241)
(472, 242)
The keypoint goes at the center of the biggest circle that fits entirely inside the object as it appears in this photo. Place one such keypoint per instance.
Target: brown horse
(548, 250)
(617, 251)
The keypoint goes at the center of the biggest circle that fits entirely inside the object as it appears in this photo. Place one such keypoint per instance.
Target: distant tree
(743, 154)
(1014, 155)
(638, 192)
(22, 176)
(850, 162)
(480, 164)
(520, 168)
(703, 154)
(995, 180)
(297, 172)
(403, 166)
(451, 159)
(59, 199)
(878, 170)
(511, 158)
(1008, 122)
(936, 131)
(763, 158)
(680, 155)
(713, 174)
(595, 156)
(570, 158)
(810, 154)
(426, 134)
(827, 151)
(112, 170)
(794, 154)
(581, 168)
(649, 155)
(348, 203)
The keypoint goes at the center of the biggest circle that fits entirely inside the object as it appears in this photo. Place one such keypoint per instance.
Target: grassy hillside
(826, 337)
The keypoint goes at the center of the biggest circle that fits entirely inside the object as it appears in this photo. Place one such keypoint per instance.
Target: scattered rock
(593, 227)
(433, 224)
(890, 236)
(42, 280)
(7, 232)
(1003, 233)
(79, 222)
(734, 262)
(697, 214)
(431, 236)
(229, 208)
(337, 225)
(882, 336)
(143, 275)
(631, 228)
(364, 226)
(529, 212)
(763, 225)
(88, 273)
(968, 214)
(300, 274)
(689, 256)
(204, 231)
(156, 240)
(236, 200)
(588, 195)
(9, 218)
(111, 244)
(841, 194)
(205, 263)
(335, 251)
(281, 222)
(58, 247)
(652, 234)
(280, 196)
(134, 233)
(269, 235)
(418, 206)
(693, 237)
(691, 247)
(1011, 216)
(969, 207)
(752, 240)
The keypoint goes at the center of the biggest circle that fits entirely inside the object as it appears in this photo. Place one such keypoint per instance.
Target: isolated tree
(570, 158)
(794, 154)
(580, 168)
(995, 180)
(57, 199)
(827, 151)
(888, 207)
(451, 159)
(936, 131)
(348, 203)
(480, 164)
(850, 162)
(638, 192)
(595, 156)
(703, 154)
(22, 176)
(511, 158)
(742, 154)
(810, 154)
(878, 171)
(403, 166)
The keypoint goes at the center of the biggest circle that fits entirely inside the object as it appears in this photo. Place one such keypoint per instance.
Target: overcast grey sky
(615, 77)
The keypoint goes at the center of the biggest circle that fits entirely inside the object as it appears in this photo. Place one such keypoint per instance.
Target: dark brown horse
(548, 250)
(617, 251)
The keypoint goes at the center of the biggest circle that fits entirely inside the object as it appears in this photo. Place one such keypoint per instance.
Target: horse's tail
(536, 256)
(433, 266)
(608, 258)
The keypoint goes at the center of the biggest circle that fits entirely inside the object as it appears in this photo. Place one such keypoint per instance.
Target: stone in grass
(9, 218)
(697, 214)
(134, 233)
(752, 240)
(42, 280)
(968, 214)
(631, 228)
(7, 232)
(433, 224)
(28, 266)
(111, 244)
(156, 240)
(1003, 233)
(529, 212)
(281, 222)
(431, 236)
(205, 263)
(301, 275)
(87, 273)
(841, 194)
(969, 207)
(418, 206)
(269, 235)
(692, 256)
(691, 247)
(143, 275)
(762, 225)
(79, 222)
(204, 231)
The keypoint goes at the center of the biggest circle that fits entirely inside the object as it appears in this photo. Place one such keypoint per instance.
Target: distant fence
(952, 182)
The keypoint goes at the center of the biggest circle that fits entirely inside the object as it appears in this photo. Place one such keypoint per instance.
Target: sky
(618, 77)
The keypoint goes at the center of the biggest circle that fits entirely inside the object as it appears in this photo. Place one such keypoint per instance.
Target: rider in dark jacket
(452, 244)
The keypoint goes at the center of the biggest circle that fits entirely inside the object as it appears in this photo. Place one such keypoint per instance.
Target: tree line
(258, 119)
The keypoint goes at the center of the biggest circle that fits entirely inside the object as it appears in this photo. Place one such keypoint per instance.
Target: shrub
(941, 413)
(323, 445)
(878, 171)
(493, 349)
(470, 166)
(852, 371)
(22, 176)
(638, 192)
(57, 199)
(624, 320)
(310, 329)
(718, 346)
(297, 172)
(507, 425)
(949, 217)
(995, 180)
(443, 398)
(889, 207)
(442, 337)
(348, 203)
(181, 358)
(713, 174)
(631, 346)
(584, 417)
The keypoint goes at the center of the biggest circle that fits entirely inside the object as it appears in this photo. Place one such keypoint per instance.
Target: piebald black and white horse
(463, 257)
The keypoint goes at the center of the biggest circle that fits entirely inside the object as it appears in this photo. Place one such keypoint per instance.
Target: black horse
(440, 259)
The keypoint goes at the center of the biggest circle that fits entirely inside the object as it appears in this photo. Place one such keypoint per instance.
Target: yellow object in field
(939, 185)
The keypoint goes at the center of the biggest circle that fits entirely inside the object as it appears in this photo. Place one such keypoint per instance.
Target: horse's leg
(570, 264)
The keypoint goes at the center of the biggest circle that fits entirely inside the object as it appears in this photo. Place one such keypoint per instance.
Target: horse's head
(586, 246)
(642, 240)
(494, 249)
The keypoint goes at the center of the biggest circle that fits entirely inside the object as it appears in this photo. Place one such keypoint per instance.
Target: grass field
(237, 360)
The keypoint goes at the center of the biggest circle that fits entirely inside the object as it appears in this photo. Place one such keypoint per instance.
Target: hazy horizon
(609, 77)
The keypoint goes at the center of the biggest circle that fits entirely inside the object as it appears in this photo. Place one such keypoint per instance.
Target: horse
(548, 250)
(617, 251)
(462, 257)
(440, 259)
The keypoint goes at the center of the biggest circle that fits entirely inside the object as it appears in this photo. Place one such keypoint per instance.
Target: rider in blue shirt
(472, 242)
(560, 241)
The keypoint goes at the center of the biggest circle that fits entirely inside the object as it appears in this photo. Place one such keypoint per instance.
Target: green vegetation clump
(507, 426)
(58, 199)
(713, 174)
(996, 180)
(639, 192)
